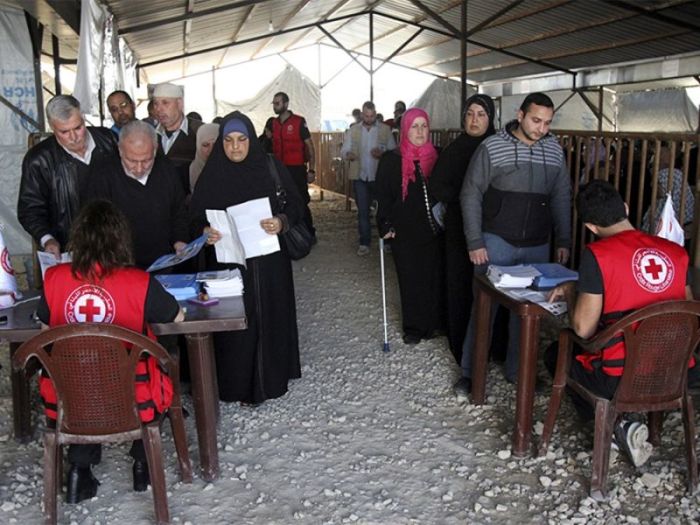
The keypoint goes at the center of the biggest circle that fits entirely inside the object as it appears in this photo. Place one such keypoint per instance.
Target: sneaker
(631, 437)
(411, 339)
(387, 248)
(363, 250)
(462, 389)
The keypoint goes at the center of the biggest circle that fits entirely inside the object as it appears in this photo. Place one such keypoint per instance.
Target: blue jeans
(364, 195)
(502, 253)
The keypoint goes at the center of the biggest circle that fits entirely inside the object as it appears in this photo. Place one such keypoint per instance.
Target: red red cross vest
(286, 140)
(119, 299)
(637, 269)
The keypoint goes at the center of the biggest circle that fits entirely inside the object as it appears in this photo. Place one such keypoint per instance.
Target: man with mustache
(55, 173)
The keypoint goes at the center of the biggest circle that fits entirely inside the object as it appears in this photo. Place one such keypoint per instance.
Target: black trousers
(298, 174)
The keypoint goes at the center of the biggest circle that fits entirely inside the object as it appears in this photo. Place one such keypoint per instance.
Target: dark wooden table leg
(525, 394)
(205, 398)
(480, 356)
(21, 404)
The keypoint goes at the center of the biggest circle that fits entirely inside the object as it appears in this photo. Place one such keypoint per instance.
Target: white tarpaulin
(304, 100)
(90, 55)
(442, 102)
(16, 85)
(665, 110)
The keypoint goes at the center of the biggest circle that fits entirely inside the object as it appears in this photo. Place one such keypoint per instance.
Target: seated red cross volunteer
(101, 285)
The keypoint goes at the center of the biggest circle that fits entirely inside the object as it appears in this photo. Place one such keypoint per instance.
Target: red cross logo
(89, 304)
(89, 310)
(652, 269)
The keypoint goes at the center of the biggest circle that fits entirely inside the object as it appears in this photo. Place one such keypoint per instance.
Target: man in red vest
(292, 144)
(622, 271)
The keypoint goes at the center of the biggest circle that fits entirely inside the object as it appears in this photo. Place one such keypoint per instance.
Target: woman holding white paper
(253, 364)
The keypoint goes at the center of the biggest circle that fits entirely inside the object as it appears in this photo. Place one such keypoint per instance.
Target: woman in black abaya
(254, 364)
(404, 216)
(445, 185)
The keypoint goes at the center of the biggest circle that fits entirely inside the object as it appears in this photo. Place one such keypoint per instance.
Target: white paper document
(518, 276)
(242, 235)
(539, 298)
(47, 260)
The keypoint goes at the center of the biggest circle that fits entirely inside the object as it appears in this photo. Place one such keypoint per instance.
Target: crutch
(381, 263)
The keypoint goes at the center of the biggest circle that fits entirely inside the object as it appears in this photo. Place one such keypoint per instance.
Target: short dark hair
(369, 105)
(100, 235)
(599, 203)
(121, 92)
(282, 94)
(400, 103)
(539, 99)
(356, 111)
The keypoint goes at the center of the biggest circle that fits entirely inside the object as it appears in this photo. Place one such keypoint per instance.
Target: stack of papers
(222, 283)
(519, 276)
(180, 285)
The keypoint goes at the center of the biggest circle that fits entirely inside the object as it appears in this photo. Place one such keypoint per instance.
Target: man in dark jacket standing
(55, 172)
(516, 191)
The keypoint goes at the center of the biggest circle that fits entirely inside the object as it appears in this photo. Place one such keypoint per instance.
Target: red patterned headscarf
(426, 154)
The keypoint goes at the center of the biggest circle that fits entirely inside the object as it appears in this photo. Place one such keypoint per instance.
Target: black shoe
(141, 477)
(463, 388)
(81, 484)
(411, 339)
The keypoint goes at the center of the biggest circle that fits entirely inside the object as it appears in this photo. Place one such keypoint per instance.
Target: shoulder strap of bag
(279, 189)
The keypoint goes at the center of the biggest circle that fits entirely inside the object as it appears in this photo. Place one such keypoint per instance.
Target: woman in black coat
(254, 364)
(445, 185)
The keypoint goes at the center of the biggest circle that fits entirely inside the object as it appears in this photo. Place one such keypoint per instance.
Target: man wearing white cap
(178, 134)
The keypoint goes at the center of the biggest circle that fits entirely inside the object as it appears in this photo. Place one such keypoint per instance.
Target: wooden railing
(330, 170)
(631, 162)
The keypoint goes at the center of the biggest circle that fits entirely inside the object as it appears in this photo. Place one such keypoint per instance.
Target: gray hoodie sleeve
(475, 184)
(560, 202)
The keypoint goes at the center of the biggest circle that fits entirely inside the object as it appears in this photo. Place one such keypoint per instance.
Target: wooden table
(530, 315)
(200, 322)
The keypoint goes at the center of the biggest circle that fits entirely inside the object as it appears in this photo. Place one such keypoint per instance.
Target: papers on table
(539, 275)
(47, 260)
(242, 235)
(539, 298)
(519, 276)
(223, 283)
(180, 285)
(171, 259)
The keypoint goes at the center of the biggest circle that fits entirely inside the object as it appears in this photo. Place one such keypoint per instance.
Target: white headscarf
(205, 133)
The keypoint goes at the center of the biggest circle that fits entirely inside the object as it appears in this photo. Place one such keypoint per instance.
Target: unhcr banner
(18, 88)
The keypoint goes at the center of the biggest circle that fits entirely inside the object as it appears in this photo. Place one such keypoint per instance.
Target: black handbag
(298, 239)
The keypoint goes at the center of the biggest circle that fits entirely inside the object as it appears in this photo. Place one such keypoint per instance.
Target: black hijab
(446, 181)
(224, 183)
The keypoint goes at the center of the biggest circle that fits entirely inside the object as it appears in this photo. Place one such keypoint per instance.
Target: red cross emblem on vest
(653, 269)
(89, 304)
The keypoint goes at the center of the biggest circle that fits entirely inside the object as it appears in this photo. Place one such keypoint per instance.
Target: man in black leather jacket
(55, 173)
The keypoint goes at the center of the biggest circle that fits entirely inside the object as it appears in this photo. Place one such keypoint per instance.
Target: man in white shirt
(55, 172)
(363, 145)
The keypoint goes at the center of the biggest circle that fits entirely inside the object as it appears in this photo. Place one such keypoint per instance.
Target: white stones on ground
(632, 519)
(504, 454)
(545, 481)
(501, 508)
(229, 448)
(478, 506)
(208, 486)
(306, 503)
(448, 496)
(650, 480)
(539, 428)
(7, 506)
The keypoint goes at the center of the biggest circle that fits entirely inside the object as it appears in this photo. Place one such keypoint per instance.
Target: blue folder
(553, 274)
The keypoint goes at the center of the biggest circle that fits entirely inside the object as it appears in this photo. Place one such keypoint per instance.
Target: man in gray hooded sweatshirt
(516, 191)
